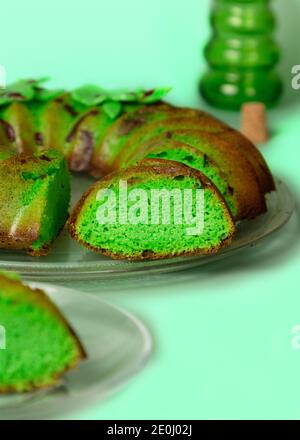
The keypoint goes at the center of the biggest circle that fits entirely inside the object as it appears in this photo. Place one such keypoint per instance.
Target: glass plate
(68, 260)
(118, 346)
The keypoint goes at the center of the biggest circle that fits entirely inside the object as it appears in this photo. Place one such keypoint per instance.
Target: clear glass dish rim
(103, 268)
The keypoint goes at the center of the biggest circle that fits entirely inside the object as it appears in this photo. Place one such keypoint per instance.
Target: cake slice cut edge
(34, 201)
(41, 346)
(158, 240)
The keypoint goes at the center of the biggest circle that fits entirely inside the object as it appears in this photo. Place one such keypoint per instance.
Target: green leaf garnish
(22, 90)
(154, 95)
(123, 96)
(112, 108)
(89, 95)
(18, 91)
(146, 97)
(46, 95)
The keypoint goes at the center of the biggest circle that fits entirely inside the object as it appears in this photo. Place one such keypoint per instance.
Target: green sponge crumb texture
(35, 199)
(162, 239)
(57, 205)
(39, 345)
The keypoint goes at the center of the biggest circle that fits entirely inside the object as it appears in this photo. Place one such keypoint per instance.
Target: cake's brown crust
(159, 167)
(184, 121)
(126, 125)
(131, 123)
(44, 251)
(245, 146)
(26, 236)
(25, 244)
(187, 118)
(82, 155)
(23, 128)
(41, 299)
(254, 156)
(20, 243)
(159, 145)
(239, 172)
(7, 134)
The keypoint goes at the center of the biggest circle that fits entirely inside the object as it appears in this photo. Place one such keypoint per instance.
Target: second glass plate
(117, 345)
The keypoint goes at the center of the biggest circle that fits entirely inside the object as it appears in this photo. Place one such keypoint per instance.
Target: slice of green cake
(125, 127)
(190, 156)
(57, 121)
(137, 127)
(38, 345)
(188, 119)
(18, 117)
(237, 171)
(34, 200)
(84, 139)
(157, 209)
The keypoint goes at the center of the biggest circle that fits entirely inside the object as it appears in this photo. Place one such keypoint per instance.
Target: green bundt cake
(91, 127)
(143, 227)
(40, 346)
(99, 132)
(34, 200)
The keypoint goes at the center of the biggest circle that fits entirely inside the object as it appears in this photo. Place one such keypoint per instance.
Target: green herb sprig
(112, 102)
(27, 90)
(89, 95)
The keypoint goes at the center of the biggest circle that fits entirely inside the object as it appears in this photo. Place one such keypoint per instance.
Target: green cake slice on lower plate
(157, 209)
(38, 345)
(34, 200)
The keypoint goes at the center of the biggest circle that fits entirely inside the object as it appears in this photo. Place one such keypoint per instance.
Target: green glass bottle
(242, 55)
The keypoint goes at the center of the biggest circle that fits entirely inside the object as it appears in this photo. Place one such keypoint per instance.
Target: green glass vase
(242, 55)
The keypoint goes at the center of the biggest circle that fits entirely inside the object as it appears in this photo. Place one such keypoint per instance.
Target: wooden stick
(254, 122)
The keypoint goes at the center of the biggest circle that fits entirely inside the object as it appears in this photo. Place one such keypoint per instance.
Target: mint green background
(222, 333)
